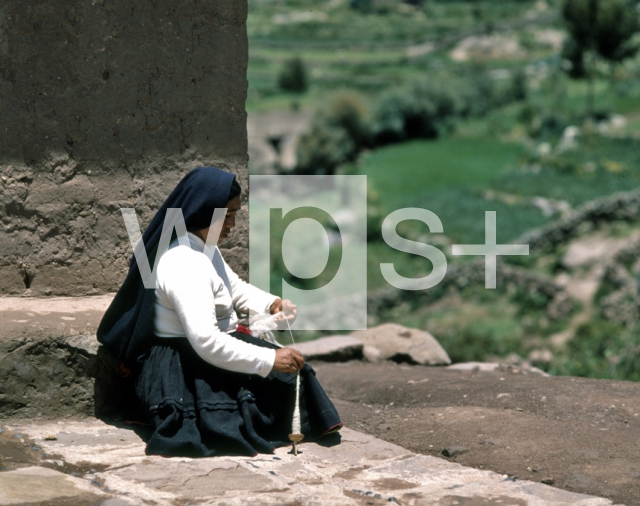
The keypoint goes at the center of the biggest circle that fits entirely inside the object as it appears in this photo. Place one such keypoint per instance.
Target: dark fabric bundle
(126, 328)
(199, 410)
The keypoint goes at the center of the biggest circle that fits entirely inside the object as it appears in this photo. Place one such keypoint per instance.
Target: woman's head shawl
(126, 328)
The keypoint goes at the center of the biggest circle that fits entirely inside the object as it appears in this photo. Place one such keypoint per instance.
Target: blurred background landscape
(530, 108)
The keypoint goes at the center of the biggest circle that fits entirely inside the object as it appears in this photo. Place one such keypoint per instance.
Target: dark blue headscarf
(126, 328)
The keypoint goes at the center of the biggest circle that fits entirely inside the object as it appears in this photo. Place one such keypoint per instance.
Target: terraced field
(496, 124)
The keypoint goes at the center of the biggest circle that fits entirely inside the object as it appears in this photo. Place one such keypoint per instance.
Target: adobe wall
(107, 104)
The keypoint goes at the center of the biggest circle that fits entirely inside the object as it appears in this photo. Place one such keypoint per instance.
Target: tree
(293, 76)
(598, 29)
(338, 133)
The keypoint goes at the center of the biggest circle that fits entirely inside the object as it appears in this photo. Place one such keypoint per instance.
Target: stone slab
(360, 470)
(35, 484)
(402, 344)
(494, 366)
(22, 317)
(338, 348)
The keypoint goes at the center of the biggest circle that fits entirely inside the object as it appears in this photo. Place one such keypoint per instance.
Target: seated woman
(209, 387)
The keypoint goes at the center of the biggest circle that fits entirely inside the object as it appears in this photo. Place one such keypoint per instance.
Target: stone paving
(50, 345)
(86, 463)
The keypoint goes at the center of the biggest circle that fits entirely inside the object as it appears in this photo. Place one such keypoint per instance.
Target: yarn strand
(296, 432)
(295, 424)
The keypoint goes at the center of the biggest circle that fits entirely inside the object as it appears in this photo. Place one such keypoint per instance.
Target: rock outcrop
(332, 349)
(385, 342)
(391, 341)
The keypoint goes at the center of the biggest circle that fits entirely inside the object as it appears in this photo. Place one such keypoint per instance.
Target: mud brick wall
(106, 104)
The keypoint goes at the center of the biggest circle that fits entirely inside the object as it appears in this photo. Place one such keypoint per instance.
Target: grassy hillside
(462, 107)
(365, 49)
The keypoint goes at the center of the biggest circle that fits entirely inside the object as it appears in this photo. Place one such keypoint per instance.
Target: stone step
(92, 461)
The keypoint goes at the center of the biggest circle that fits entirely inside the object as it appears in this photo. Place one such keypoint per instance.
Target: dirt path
(578, 434)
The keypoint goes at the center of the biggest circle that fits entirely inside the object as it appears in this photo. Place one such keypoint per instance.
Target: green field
(403, 172)
(490, 148)
(367, 49)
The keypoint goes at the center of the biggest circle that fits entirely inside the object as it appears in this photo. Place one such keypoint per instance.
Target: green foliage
(548, 125)
(581, 18)
(484, 326)
(426, 108)
(601, 349)
(530, 302)
(402, 114)
(477, 342)
(362, 45)
(324, 148)
(293, 76)
(363, 6)
(336, 136)
(600, 167)
(348, 112)
(518, 87)
(371, 22)
(616, 23)
(401, 173)
(598, 28)
(462, 212)
(477, 92)
(573, 56)
(375, 215)
(573, 188)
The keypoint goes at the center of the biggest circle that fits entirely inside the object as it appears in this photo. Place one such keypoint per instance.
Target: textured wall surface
(107, 104)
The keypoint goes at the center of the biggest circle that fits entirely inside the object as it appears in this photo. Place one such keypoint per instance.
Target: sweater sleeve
(188, 284)
(247, 298)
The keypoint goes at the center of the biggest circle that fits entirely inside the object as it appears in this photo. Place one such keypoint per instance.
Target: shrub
(477, 342)
(428, 107)
(349, 113)
(324, 148)
(601, 349)
(375, 215)
(421, 110)
(363, 6)
(476, 92)
(518, 88)
(336, 136)
(293, 76)
(549, 125)
(389, 116)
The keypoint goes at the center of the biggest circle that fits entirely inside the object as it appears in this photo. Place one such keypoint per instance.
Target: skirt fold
(199, 410)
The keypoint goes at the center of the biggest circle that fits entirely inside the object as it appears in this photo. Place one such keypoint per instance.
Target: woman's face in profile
(233, 206)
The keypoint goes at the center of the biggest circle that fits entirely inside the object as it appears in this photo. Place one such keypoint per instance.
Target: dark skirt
(199, 410)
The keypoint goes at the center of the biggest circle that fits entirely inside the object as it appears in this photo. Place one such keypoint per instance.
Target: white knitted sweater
(198, 299)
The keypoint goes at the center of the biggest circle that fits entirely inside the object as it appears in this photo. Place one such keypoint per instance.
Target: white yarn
(262, 326)
(295, 424)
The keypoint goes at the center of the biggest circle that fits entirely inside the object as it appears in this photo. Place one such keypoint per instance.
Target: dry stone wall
(107, 104)
(621, 206)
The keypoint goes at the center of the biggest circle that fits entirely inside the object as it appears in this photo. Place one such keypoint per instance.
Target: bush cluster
(336, 136)
(293, 76)
(420, 111)
(423, 109)
(602, 349)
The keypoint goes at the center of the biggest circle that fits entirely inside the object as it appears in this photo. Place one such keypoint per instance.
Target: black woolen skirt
(199, 410)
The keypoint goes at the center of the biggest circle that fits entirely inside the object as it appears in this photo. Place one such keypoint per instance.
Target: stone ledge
(61, 376)
(112, 468)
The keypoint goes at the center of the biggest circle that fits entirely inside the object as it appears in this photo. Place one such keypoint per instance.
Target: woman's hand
(288, 360)
(289, 312)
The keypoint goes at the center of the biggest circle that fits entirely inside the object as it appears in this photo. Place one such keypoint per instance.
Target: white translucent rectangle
(341, 304)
